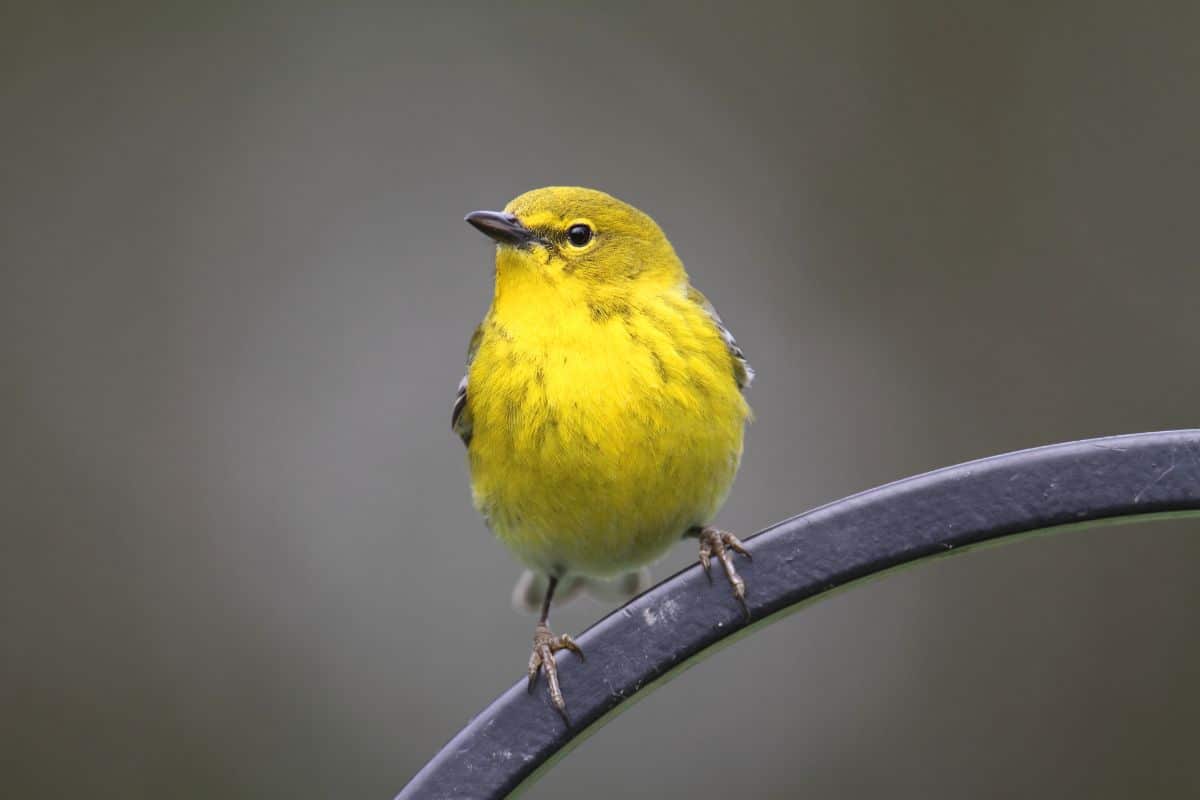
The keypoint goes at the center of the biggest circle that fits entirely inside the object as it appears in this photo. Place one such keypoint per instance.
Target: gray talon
(545, 645)
(720, 543)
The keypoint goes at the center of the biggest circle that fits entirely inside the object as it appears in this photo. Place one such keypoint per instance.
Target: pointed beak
(502, 228)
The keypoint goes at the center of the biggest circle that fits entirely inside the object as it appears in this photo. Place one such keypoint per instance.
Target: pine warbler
(602, 407)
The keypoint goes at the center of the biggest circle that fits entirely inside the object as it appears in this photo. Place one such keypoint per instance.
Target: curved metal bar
(805, 556)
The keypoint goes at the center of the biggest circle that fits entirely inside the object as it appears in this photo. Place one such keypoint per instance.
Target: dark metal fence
(1120, 477)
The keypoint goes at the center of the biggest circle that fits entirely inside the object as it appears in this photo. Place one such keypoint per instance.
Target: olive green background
(238, 556)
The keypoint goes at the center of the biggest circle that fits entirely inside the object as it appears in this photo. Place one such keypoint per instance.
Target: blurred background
(238, 555)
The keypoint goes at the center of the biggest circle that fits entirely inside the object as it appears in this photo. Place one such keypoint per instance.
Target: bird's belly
(598, 473)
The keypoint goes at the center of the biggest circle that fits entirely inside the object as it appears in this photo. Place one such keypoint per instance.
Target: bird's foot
(720, 543)
(545, 645)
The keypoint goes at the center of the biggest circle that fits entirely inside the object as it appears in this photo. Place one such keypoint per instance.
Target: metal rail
(801, 558)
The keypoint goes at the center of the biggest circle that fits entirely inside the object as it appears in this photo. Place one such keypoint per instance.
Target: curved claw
(535, 666)
(545, 645)
(720, 543)
(565, 642)
(735, 544)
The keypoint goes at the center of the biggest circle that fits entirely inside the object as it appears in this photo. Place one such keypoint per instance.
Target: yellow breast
(604, 427)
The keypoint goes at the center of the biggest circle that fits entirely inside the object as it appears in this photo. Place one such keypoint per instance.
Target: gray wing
(743, 373)
(460, 416)
(460, 421)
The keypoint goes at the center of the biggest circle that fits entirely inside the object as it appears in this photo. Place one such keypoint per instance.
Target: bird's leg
(720, 543)
(545, 645)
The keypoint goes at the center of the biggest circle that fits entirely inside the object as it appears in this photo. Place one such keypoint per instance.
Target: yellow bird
(602, 407)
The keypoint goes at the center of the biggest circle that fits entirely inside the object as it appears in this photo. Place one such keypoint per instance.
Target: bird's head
(565, 235)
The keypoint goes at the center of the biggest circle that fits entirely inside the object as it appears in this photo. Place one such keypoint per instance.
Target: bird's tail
(531, 589)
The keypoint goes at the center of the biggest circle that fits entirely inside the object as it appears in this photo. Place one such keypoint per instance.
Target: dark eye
(579, 235)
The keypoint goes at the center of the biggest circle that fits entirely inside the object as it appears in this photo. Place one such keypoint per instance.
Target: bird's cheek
(513, 261)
